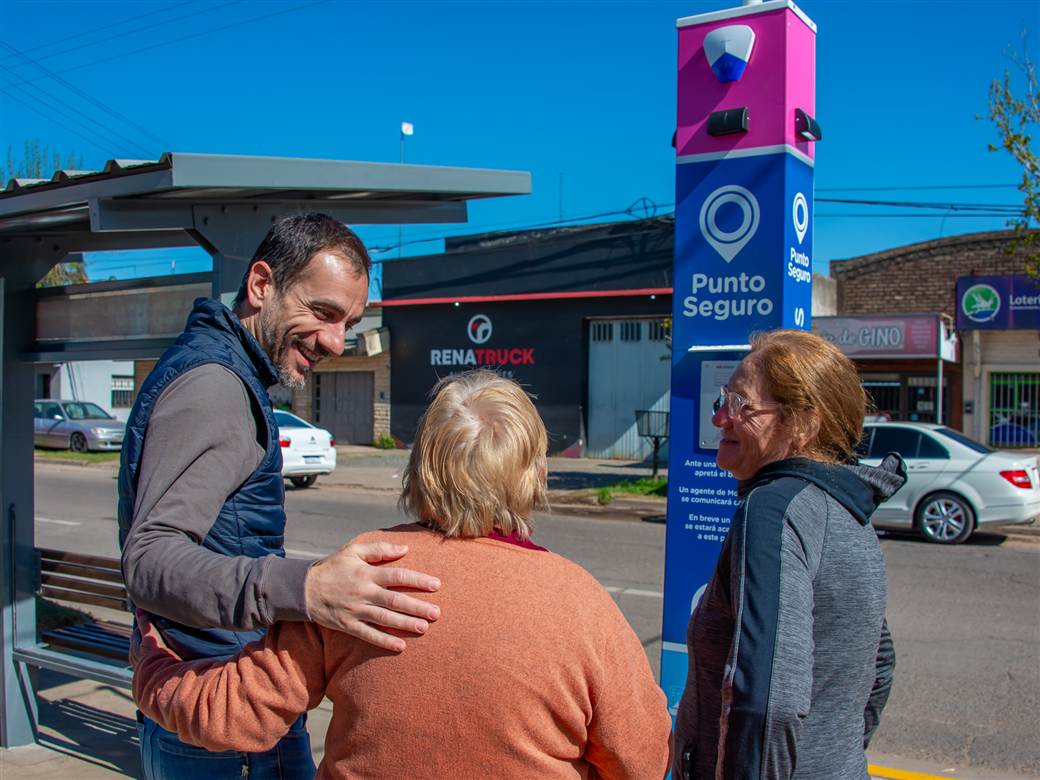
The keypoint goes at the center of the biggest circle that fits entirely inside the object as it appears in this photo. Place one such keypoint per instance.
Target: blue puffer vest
(252, 520)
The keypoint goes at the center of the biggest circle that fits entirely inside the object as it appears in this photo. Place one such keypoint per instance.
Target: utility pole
(407, 129)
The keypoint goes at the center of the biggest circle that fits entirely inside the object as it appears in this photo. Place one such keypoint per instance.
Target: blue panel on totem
(743, 263)
(743, 239)
(701, 497)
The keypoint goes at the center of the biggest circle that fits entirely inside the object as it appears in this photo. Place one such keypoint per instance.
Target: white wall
(89, 381)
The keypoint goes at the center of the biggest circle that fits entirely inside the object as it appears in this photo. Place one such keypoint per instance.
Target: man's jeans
(165, 757)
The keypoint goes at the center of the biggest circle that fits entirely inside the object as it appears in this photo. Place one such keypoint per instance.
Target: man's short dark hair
(292, 241)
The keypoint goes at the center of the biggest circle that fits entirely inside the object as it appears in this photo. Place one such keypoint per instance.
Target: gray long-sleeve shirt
(199, 447)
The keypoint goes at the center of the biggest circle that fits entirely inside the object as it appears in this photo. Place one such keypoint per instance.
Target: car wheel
(78, 442)
(304, 482)
(945, 518)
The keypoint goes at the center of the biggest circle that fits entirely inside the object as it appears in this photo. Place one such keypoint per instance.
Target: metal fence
(1014, 410)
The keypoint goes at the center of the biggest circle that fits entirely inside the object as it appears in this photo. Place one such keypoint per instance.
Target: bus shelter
(223, 203)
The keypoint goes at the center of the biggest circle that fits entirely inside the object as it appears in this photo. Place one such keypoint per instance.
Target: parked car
(76, 425)
(954, 483)
(307, 451)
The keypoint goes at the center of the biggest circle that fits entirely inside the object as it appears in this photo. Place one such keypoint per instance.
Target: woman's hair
(818, 388)
(478, 463)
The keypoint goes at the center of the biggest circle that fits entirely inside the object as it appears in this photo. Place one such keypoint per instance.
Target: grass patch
(640, 487)
(75, 457)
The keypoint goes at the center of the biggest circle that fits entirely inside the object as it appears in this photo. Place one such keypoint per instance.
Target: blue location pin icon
(800, 216)
(728, 243)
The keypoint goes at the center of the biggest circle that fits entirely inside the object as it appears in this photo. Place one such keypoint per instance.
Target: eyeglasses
(736, 404)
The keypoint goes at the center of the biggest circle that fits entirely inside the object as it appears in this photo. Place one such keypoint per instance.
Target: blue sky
(582, 90)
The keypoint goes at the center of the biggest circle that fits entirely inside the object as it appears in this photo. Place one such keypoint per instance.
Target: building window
(602, 331)
(631, 330)
(1014, 410)
(122, 392)
(656, 330)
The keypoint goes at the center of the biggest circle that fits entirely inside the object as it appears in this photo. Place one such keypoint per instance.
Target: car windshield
(960, 438)
(286, 420)
(86, 411)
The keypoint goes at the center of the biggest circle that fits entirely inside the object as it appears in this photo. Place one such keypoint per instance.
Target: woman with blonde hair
(531, 671)
(790, 657)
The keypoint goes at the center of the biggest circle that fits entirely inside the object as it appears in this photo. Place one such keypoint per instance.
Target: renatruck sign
(743, 259)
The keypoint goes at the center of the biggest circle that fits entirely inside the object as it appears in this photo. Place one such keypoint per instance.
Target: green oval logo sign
(980, 303)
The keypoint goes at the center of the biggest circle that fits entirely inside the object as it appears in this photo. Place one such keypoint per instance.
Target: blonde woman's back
(531, 671)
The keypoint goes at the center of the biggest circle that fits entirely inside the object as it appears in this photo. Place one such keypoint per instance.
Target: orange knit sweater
(531, 672)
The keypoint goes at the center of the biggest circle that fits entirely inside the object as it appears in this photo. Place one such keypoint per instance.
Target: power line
(979, 211)
(923, 204)
(181, 39)
(105, 27)
(44, 97)
(637, 204)
(134, 30)
(995, 215)
(108, 109)
(921, 187)
(32, 108)
(113, 137)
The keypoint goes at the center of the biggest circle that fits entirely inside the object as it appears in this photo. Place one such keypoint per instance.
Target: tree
(1017, 118)
(40, 162)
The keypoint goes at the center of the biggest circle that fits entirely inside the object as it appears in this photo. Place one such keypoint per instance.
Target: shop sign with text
(998, 303)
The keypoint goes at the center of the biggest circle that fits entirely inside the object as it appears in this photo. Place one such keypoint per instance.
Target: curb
(632, 510)
(77, 463)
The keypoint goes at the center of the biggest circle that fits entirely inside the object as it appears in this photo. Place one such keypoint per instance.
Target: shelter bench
(93, 581)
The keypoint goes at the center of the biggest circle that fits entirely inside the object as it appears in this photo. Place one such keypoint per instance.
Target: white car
(954, 483)
(307, 451)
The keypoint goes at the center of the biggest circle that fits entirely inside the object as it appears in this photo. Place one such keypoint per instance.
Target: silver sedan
(77, 425)
(954, 483)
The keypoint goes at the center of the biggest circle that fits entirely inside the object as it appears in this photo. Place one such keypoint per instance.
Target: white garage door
(629, 369)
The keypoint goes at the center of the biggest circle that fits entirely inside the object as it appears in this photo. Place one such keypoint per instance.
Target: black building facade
(525, 304)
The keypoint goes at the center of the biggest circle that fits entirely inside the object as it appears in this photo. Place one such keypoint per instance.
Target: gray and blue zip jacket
(790, 658)
(207, 592)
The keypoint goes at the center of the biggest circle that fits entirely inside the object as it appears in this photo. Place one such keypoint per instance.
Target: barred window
(631, 330)
(656, 330)
(122, 392)
(602, 331)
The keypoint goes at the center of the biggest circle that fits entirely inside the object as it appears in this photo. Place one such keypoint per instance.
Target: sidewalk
(573, 482)
(88, 731)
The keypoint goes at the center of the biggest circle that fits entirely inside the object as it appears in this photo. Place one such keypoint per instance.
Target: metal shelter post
(26, 261)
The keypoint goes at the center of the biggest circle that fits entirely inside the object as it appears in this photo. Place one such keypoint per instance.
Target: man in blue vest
(201, 515)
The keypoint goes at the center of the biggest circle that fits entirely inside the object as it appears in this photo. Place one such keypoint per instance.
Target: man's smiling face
(308, 322)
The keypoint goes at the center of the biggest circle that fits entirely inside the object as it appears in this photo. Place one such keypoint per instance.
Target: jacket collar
(212, 315)
(857, 488)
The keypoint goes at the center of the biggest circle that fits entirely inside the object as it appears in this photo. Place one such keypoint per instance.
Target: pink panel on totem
(780, 77)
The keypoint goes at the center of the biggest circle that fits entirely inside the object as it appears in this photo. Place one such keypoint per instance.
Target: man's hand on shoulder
(346, 592)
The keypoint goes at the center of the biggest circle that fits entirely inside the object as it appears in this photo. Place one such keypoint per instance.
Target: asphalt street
(966, 619)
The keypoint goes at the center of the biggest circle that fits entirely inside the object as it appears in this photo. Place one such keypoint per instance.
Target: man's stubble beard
(277, 346)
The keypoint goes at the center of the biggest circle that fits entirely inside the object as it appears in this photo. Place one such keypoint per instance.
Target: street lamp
(407, 129)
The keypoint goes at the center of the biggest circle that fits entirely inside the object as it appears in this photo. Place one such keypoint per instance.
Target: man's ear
(259, 284)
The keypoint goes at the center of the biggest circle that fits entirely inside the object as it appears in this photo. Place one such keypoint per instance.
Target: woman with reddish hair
(790, 657)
